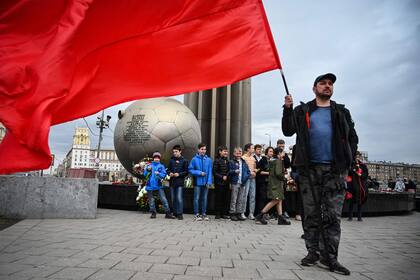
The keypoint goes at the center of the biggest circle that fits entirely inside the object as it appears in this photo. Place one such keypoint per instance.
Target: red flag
(61, 60)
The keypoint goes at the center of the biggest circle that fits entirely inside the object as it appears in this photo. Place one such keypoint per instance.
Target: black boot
(153, 216)
(169, 215)
(180, 217)
(282, 220)
(234, 217)
(310, 259)
(260, 218)
(336, 267)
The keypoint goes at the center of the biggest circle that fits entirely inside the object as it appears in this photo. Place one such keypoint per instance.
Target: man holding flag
(326, 145)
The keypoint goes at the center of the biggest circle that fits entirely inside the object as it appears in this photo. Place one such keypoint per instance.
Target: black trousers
(222, 199)
(261, 196)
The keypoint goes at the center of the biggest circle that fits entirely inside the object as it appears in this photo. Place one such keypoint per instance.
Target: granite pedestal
(47, 197)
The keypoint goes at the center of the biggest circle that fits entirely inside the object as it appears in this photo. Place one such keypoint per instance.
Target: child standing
(239, 175)
(156, 172)
(178, 170)
(201, 168)
(221, 182)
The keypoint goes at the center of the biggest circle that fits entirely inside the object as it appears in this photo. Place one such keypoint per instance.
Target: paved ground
(121, 245)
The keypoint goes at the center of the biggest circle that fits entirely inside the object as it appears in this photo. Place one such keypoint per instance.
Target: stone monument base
(48, 197)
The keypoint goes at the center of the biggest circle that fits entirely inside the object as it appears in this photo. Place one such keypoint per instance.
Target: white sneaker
(197, 218)
(251, 217)
(205, 218)
(243, 216)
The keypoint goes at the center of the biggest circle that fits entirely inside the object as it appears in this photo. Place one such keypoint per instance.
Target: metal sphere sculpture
(155, 124)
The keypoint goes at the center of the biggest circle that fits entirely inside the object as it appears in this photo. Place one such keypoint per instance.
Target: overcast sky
(372, 46)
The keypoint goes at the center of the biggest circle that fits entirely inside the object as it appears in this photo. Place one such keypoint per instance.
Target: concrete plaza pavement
(123, 245)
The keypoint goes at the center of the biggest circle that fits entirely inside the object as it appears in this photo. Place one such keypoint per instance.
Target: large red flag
(65, 59)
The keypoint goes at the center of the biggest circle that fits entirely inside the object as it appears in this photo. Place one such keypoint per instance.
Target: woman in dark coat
(357, 187)
(275, 189)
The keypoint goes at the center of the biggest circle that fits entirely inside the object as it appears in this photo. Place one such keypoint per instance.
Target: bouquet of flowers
(138, 169)
(165, 181)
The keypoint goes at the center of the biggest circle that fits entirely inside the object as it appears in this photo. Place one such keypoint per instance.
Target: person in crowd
(399, 185)
(391, 183)
(262, 178)
(281, 144)
(326, 144)
(275, 189)
(155, 172)
(201, 168)
(411, 186)
(358, 187)
(298, 198)
(250, 183)
(239, 174)
(221, 182)
(178, 170)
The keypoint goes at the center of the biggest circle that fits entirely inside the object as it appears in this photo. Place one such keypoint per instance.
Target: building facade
(383, 171)
(81, 156)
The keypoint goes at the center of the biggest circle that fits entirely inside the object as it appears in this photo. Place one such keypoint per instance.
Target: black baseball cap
(328, 76)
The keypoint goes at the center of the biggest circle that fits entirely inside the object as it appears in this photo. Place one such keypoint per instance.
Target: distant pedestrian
(358, 187)
(178, 170)
(239, 174)
(221, 182)
(155, 172)
(201, 169)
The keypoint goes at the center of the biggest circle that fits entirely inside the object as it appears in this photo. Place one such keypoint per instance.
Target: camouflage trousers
(329, 191)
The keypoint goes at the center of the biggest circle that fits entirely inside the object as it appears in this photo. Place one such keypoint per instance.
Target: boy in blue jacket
(239, 174)
(156, 172)
(201, 169)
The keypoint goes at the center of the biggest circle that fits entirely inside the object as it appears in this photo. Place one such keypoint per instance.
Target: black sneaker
(226, 217)
(217, 217)
(234, 217)
(335, 267)
(260, 218)
(359, 219)
(282, 220)
(153, 216)
(169, 216)
(310, 259)
(180, 217)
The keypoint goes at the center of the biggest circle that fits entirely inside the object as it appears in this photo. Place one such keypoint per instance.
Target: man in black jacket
(326, 144)
(178, 170)
(221, 182)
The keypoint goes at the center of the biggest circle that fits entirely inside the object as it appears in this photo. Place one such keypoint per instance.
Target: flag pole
(284, 82)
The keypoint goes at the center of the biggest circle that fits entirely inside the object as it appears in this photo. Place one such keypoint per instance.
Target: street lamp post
(101, 124)
(269, 139)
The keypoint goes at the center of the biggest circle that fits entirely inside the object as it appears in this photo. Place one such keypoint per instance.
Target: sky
(373, 47)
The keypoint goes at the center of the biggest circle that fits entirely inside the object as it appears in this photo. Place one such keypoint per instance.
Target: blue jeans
(200, 193)
(177, 200)
(152, 206)
(249, 190)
